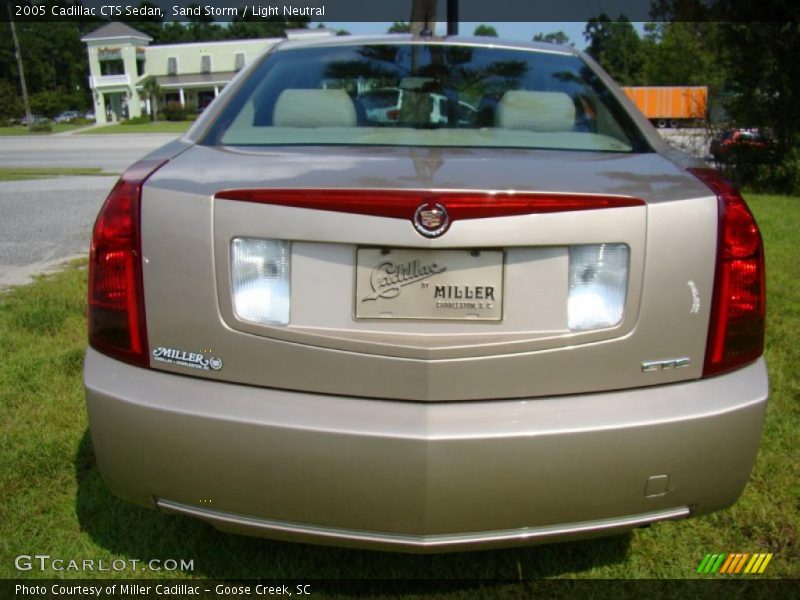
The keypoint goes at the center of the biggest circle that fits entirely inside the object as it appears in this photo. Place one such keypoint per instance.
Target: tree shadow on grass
(134, 532)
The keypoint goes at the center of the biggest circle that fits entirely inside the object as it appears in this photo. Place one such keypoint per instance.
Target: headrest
(314, 108)
(536, 111)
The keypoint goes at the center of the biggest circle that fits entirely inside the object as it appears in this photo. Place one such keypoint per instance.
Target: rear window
(417, 94)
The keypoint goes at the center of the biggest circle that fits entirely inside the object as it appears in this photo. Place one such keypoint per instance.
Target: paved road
(111, 152)
(115, 152)
(45, 222)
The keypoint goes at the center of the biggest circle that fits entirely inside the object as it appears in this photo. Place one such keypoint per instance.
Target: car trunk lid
(341, 341)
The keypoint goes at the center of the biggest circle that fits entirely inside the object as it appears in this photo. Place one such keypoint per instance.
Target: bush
(741, 163)
(46, 127)
(10, 105)
(173, 111)
(137, 121)
(48, 103)
(781, 175)
(765, 171)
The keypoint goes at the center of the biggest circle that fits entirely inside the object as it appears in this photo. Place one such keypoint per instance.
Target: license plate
(429, 284)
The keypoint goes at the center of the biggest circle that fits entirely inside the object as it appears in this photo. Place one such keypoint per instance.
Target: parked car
(382, 105)
(89, 115)
(35, 120)
(736, 141)
(429, 336)
(67, 116)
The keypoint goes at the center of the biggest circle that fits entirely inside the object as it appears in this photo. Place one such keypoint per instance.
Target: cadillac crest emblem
(431, 219)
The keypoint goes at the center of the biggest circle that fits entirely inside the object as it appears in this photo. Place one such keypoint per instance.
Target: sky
(506, 30)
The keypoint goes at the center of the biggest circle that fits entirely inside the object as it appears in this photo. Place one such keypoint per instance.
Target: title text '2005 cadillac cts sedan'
(503, 312)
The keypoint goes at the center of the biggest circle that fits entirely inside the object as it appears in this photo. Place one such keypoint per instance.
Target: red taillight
(116, 297)
(736, 330)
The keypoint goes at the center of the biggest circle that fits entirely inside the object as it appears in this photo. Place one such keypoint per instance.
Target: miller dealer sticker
(182, 358)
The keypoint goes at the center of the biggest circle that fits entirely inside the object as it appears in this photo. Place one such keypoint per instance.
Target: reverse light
(116, 296)
(260, 280)
(598, 283)
(738, 307)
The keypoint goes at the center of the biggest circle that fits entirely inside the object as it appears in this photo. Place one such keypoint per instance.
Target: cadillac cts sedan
(525, 323)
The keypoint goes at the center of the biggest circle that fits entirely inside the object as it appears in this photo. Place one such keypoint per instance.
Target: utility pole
(423, 16)
(18, 54)
(452, 17)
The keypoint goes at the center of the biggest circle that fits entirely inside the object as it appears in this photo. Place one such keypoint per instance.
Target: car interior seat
(314, 108)
(535, 111)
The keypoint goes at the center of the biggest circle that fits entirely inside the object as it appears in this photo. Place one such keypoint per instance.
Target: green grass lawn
(23, 130)
(55, 501)
(19, 173)
(159, 127)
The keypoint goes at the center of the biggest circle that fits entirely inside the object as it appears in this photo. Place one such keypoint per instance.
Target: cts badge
(431, 219)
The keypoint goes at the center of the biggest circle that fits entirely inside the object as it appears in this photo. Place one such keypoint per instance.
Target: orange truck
(670, 105)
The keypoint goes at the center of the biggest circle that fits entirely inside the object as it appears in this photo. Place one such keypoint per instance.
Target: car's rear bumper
(422, 477)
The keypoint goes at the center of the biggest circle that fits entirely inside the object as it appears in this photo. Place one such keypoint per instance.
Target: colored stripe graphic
(767, 558)
(730, 564)
(737, 563)
(740, 564)
(727, 563)
(703, 563)
(754, 561)
(717, 563)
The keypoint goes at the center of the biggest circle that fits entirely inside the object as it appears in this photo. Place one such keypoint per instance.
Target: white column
(216, 91)
(182, 97)
(100, 108)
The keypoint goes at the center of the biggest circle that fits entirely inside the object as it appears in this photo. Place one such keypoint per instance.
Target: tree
(617, 47)
(202, 28)
(555, 37)
(682, 53)
(763, 78)
(53, 56)
(485, 31)
(147, 22)
(152, 90)
(755, 46)
(175, 32)
(10, 104)
(399, 27)
(48, 103)
(252, 27)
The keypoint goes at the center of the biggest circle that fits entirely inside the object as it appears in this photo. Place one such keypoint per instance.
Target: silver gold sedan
(505, 313)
